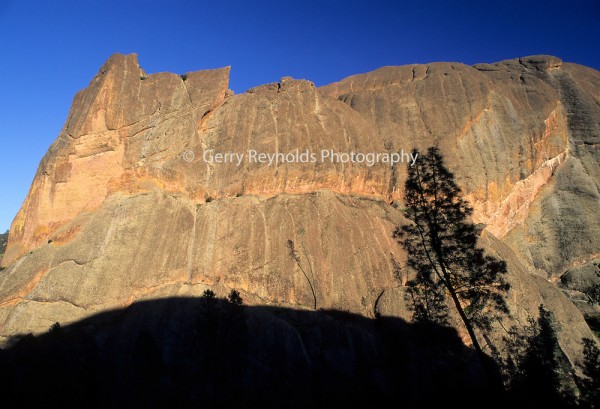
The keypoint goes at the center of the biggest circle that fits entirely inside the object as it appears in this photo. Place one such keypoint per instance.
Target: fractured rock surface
(124, 208)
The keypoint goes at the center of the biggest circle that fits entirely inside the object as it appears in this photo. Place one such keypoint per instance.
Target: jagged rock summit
(124, 206)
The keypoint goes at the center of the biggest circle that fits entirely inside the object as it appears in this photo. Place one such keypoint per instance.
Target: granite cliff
(123, 207)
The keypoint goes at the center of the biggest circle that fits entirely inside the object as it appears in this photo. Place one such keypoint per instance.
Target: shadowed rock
(117, 213)
(191, 352)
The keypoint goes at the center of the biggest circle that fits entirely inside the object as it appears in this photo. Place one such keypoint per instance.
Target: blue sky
(51, 49)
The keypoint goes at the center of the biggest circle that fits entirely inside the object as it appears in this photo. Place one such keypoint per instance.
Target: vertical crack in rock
(191, 248)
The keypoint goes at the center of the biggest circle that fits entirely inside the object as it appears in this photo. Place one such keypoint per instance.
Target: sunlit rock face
(127, 206)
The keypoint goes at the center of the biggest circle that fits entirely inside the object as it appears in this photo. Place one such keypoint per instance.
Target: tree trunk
(465, 320)
(489, 370)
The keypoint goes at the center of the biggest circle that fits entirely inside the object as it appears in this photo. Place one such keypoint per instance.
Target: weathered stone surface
(115, 126)
(155, 244)
(561, 230)
(521, 136)
(527, 292)
(115, 214)
(580, 284)
(498, 129)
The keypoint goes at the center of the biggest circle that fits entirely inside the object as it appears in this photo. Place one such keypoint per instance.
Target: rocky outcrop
(125, 207)
(123, 120)
(581, 283)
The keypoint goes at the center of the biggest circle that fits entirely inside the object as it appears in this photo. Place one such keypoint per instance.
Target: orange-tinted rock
(124, 206)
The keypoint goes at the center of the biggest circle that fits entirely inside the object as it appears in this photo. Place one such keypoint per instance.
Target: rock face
(124, 207)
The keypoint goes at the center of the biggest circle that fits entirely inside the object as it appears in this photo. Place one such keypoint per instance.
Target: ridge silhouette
(198, 352)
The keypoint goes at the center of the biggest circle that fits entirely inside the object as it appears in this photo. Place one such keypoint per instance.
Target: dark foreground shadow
(193, 352)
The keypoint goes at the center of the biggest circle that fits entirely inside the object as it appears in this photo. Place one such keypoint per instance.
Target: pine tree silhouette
(442, 249)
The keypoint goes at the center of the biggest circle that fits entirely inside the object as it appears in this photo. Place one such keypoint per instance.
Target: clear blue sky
(51, 49)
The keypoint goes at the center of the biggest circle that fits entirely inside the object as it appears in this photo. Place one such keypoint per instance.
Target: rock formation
(125, 208)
